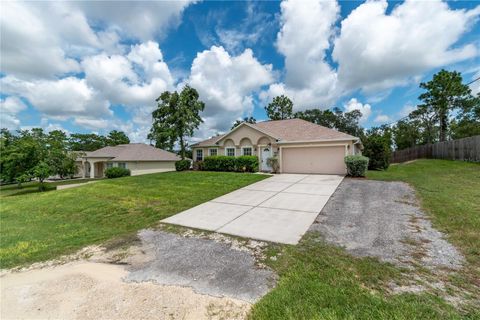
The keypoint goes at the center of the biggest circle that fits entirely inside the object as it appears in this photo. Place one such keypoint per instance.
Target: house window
(230, 152)
(122, 165)
(109, 165)
(212, 152)
(199, 155)
(247, 151)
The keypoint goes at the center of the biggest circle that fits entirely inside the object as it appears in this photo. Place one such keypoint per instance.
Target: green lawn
(32, 187)
(41, 226)
(320, 281)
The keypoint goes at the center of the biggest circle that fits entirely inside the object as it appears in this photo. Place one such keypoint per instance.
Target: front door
(266, 153)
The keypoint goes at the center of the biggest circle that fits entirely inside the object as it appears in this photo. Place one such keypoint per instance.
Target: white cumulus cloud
(382, 118)
(9, 107)
(227, 83)
(59, 98)
(304, 37)
(376, 50)
(365, 109)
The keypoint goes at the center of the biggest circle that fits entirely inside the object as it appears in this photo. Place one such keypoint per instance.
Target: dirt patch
(86, 290)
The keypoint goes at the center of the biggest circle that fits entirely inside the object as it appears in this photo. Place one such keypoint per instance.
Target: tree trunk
(443, 127)
(182, 148)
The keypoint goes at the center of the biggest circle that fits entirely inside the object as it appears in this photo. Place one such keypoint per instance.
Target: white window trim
(210, 149)
(248, 147)
(196, 154)
(230, 148)
(118, 165)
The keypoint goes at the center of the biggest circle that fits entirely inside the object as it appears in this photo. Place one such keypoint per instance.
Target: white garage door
(323, 160)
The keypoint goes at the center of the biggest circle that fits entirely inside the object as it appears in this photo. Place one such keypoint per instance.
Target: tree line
(36, 154)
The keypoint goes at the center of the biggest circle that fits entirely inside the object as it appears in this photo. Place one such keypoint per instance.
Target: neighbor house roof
(208, 142)
(133, 152)
(290, 130)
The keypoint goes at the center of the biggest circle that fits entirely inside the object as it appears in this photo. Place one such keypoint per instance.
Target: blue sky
(97, 66)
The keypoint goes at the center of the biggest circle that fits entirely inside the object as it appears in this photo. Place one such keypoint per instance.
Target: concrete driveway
(278, 209)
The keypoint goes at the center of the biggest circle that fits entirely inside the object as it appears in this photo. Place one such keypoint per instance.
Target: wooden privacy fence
(466, 149)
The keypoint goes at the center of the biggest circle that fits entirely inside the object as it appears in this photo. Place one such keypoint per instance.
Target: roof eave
(317, 140)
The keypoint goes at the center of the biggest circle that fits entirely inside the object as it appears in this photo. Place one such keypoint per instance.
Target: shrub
(246, 164)
(226, 163)
(198, 165)
(116, 172)
(274, 164)
(211, 163)
(182, 165)
(356, 165)
(219, 163)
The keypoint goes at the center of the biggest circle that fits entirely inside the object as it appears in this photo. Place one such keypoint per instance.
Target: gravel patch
(383, 219)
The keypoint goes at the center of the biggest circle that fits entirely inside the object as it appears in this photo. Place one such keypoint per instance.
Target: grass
(320, 281)
(32, 187)
(41, 226)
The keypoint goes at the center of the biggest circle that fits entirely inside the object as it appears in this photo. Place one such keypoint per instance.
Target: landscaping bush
(198, 165)
(246, 164)
(211, 163)
(116, 172)
(182, 165)
(356, 165)
(274, 164)
(226, 163)
(219, 163)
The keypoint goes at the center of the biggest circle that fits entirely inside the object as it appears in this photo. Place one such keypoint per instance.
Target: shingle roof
(208, 142)
(290, 130)
(301, 130)
(134, 152)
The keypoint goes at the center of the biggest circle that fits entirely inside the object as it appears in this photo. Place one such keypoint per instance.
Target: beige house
(301, 146)
(138, 157)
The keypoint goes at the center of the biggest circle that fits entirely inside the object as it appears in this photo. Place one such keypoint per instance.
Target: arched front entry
(93, 169)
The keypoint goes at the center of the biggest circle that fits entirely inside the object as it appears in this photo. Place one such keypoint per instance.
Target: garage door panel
(322, 160)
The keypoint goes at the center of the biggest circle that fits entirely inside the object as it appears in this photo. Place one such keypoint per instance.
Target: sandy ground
(87, 290)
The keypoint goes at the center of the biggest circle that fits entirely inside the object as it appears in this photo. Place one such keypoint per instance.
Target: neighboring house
(138, 157)
(301, 146)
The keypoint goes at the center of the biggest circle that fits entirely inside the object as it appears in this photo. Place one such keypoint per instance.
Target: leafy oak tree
(377, 143)
(280, 108)
(176, 117)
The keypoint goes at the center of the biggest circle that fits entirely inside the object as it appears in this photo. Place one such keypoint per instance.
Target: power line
(388, 124)
(473, 81)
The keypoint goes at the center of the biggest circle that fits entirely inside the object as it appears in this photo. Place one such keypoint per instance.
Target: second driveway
(278, 209)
